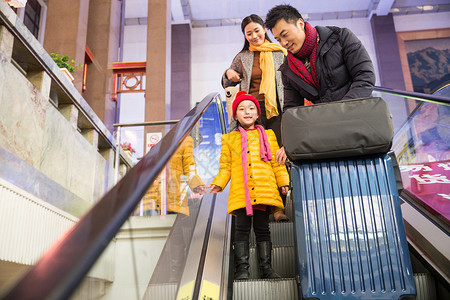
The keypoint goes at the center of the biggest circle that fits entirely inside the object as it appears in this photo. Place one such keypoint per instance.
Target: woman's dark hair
(285, 11)
(247, 20)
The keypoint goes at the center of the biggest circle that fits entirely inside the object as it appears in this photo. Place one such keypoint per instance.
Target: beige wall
(49, 145)
(37, 133)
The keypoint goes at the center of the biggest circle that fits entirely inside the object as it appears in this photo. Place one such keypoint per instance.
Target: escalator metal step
(425, 286)
(161, 291)
(283, 259)
(281, 234)
(265, 289)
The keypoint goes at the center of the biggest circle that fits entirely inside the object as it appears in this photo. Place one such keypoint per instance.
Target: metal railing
(118, 126)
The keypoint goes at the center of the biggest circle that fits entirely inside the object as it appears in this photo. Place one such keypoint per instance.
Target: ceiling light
(426, 7)
(17, 3)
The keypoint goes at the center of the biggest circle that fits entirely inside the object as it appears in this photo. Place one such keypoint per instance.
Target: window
(32, 16)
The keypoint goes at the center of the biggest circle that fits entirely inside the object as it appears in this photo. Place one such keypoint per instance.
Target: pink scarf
(266, 155)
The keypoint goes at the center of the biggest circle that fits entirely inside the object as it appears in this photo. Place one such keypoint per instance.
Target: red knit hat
(241, 96)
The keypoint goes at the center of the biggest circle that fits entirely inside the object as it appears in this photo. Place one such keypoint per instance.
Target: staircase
(283, 262)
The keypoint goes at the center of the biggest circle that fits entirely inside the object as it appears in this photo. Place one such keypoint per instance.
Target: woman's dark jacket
(344, 70)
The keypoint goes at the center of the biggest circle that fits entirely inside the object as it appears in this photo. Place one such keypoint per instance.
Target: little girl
(248, 159)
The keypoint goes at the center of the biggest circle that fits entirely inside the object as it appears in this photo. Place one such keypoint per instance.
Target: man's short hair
(285, 11)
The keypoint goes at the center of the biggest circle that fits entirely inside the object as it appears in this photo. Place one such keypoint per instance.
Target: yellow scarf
(268, 85)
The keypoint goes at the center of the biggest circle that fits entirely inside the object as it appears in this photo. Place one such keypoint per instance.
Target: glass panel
(208, 152)
(132, 108)
(422, 147)
(147, 257)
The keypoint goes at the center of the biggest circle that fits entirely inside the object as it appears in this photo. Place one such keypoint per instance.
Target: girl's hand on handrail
(214, 188)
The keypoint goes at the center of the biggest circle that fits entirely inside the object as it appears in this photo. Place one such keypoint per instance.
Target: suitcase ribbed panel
(161, 291)
(350, 233)
(425, 285)
(281, 234)
(283, 262)
(265, 290)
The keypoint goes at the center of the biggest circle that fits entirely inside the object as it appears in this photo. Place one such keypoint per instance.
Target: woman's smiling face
(255, 34)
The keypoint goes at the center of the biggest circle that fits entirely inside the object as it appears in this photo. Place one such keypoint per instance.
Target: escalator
(194, 260)
(283, 262)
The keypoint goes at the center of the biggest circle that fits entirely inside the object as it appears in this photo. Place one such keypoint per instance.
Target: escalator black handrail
(407, 196)
(415, 95)
(63, 267)
(434, 217)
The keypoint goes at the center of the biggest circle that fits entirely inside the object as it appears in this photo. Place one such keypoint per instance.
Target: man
(323, 64)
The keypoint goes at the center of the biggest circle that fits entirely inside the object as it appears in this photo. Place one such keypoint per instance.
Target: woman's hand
(284, 190)
(280, 156)
(233, 75)
(214, 188)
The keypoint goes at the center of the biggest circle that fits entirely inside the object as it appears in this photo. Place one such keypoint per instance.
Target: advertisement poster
(430, 182)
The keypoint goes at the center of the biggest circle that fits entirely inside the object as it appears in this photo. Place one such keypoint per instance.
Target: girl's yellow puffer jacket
(264, 177)
(182, 175)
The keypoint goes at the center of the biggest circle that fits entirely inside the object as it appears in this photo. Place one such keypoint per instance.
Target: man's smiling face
(290, 35)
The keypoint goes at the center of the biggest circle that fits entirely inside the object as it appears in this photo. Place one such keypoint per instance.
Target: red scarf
(309, 49)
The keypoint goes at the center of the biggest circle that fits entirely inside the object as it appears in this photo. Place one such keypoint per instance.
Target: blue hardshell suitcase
(350, 236)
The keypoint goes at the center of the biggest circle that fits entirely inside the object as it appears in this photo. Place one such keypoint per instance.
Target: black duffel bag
(337, 129)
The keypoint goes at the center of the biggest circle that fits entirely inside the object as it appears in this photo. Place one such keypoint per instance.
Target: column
(386, 47)
(158, 74)
(389, 64)
(66, 30)
(103, 42)
(181, 70)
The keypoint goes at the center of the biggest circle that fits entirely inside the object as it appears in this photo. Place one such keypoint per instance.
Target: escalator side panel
(214, 280)
(349, 230)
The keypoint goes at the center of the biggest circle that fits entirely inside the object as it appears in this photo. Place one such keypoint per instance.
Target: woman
(255, 69)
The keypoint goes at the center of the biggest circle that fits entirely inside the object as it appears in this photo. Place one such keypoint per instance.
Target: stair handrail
(65, 264)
